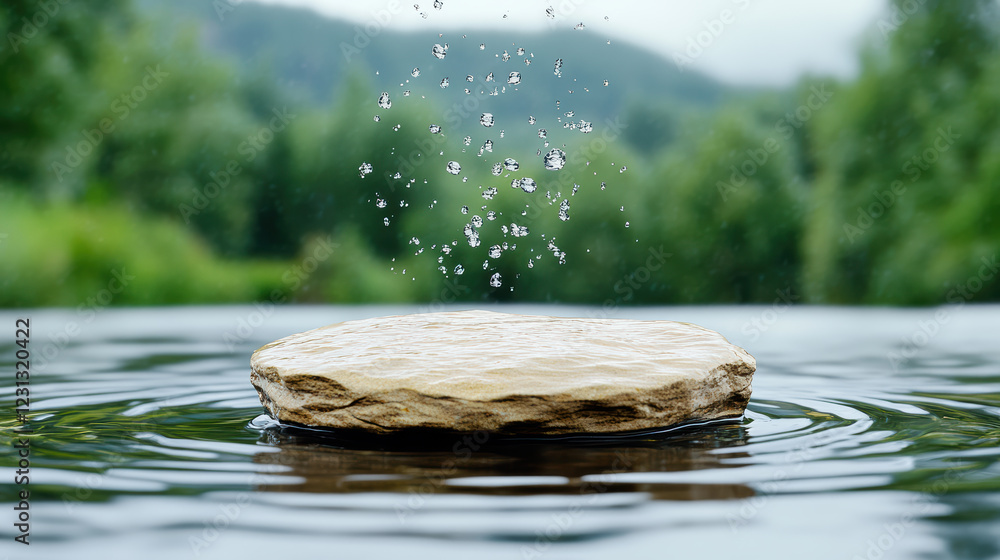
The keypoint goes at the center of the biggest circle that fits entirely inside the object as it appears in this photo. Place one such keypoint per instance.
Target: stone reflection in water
(479, 464)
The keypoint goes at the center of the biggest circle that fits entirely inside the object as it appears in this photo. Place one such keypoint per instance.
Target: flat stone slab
(509, 374)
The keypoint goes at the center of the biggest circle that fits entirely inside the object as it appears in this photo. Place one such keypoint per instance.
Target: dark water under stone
(148, 443)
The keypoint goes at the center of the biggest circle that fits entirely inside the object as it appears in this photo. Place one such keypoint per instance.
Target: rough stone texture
(503, 373)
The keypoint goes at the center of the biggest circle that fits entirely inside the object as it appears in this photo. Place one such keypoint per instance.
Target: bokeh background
(189, 152)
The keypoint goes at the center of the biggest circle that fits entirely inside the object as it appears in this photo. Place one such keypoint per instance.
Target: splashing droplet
(518, 231)
(459, 270)
(454, 168)
(580, 26)
(514, 78)
(377, 118)
(384, 101)
(497, 170)
(467, 140)
(564, 210)
(445, 83)
(415, 72)
(435, 129)
(531, 119)
(495, 252)
(555, 159)
(526, 184)
(486, 119)
(511, 164)
(365, 169)
(439, 52)
(558, 69)
(496, 280)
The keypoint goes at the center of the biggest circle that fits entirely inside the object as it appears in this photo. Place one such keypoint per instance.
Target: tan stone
(503, 373)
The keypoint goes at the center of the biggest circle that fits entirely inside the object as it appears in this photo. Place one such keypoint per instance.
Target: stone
(474, 371)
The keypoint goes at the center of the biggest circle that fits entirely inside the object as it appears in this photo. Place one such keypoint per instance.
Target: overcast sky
(761, 42)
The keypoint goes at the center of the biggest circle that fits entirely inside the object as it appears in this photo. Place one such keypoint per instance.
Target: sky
(745, 42)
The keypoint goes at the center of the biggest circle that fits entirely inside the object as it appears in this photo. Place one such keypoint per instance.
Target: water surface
(871, 433)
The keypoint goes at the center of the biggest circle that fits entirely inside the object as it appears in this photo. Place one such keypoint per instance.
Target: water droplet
(622, 209)
(531, 119)
(605, 83)
(477, 221)
(445, 83)
(365, 169)
(488, 146)
(575, 188)
(439, 52)
(381, 203)
(465, 210)
(526, 184)
(505, 57)
(542, 133)
(467, 140)
(624, 169)
(497, 170)
(384, 101)
(377, 118)
(454, 168)
(550, 12)
(459, 270)
(518, 231)
(603, 185)
(435, 129)
(564, 210)
(406, 93)
(414, 241)
(514, 78)
(438, 4)
(580, 26)
(558, 69)
(415, 72)
(626, 224)
(446, 249)
(385, 221)
(586, 127)
(496, 281)
(491, 215)
(511, 164)
(397, 176)
(486, 119)
(495, 252)
(520, 51)
(489, 77)
(469, 78)
(555, 159)
(531, 263)
(482, 46)
(471, 235)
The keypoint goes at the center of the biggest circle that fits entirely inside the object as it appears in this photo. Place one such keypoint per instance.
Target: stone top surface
(482, 355)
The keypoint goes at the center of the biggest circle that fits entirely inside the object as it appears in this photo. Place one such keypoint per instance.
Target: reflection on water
(486, 465)
(149, 442)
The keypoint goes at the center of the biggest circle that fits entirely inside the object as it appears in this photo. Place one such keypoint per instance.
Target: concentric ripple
(146, 429)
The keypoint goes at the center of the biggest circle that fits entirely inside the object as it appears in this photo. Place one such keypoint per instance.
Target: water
(865, 437)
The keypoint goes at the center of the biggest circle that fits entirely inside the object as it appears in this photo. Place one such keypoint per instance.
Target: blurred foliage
(207, 174)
